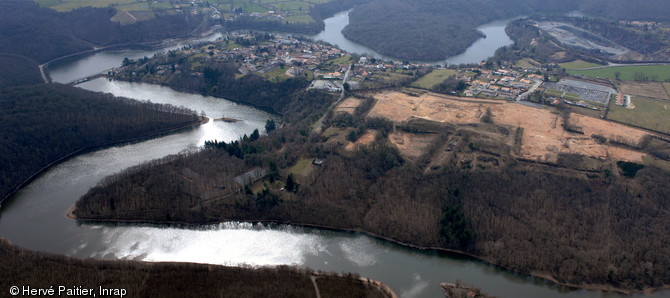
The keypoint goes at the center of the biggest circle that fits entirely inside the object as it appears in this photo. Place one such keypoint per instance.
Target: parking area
(579, 90)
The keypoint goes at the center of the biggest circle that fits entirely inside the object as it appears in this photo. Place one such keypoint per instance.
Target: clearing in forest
(348, 105)
(366, 139)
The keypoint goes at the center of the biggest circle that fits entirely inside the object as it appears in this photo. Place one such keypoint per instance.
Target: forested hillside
(432, 29)
(43, 34)
(651, 10)
(18, 70)
(43, 123)
(596, 228)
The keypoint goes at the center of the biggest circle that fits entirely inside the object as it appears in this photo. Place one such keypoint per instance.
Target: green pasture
(648, 113)
(433, 78)
(578, 64)
(658, 73)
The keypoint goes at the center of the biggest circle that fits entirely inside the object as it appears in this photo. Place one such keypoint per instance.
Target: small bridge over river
(86, 79)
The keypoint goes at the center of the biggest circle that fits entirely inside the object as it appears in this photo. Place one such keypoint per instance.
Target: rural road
(529, 92)
(624, 64)
(317, 126)
(316, 287)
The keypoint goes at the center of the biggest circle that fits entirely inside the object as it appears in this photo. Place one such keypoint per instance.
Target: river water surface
(480, 50)
(34, 217)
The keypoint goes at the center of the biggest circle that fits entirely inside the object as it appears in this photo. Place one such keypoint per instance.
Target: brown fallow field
(543, 138)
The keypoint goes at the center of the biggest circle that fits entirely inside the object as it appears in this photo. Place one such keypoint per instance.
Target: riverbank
(266, 109)
(459, 253)
(25, 268)
(457, 291)
(93, 148)
(149, 46)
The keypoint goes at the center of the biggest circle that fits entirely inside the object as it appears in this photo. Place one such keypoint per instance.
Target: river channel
(480, 50)
(34, 217)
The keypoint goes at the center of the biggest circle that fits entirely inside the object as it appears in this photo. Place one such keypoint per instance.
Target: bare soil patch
(348, 105)
(366, 139)
(410, 145)
(543, 138)
(400, 107)
(646, 89)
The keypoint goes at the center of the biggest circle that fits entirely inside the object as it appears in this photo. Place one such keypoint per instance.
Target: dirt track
(544, 136)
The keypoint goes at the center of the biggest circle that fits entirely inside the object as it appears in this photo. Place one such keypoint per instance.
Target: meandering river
(480, 50)
(34, 217)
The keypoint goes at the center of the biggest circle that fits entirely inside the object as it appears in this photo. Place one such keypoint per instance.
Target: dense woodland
(22, 267)
(43, 123)
(419, 29)
(18, 70)
(43, 34)
(524, 216)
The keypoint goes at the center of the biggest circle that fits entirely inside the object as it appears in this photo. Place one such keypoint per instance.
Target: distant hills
(433, 29)
(43, 34)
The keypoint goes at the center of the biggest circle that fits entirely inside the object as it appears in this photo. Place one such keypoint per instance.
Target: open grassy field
(144, 6)
(389, 77)
(571, 96)
(658, 73)
(298, 9)
(648, 113)
(335, 135)
(300, 19)
(277, 75)
(334, 64)
(433, 78)
(131, 5)
(554, 93)
(250, 6)
(646, 89)
(302, 167)
(47, 3)
(527, 62)
(578, 64)
(291, 5)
